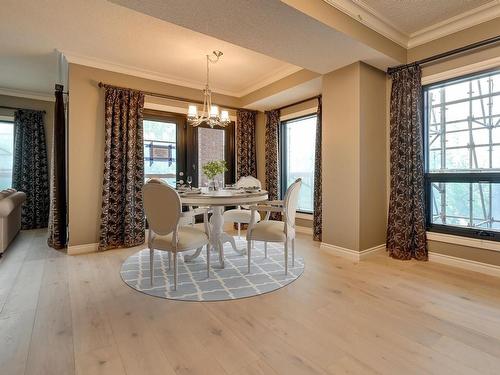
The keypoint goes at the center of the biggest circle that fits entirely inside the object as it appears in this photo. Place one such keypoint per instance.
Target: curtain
(245, 143)
(406, 225)
(318, 210)
(122, 215)
(58, 204)
(272, 159)
(30, 167)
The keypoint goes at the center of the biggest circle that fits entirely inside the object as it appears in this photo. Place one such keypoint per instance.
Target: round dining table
(216, 201)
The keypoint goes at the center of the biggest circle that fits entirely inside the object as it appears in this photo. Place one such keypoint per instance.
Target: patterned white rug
(232, 282)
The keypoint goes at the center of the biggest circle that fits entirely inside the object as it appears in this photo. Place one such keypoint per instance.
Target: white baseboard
(466, 264)
(83, 249)
(352, 254)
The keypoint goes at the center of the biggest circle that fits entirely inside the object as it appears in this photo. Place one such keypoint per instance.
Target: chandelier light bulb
(192, 111)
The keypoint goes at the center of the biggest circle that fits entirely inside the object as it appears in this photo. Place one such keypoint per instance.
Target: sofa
(10, 216)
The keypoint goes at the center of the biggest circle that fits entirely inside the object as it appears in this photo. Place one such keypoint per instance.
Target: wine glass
(189, 181)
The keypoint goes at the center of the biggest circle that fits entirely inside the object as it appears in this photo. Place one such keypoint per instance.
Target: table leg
(217, 232)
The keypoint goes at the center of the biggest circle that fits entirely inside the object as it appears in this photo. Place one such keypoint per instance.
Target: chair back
(162, 206)
(291, 202)
(248, 181)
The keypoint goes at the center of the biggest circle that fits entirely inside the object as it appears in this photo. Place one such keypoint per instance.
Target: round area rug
(232, 282)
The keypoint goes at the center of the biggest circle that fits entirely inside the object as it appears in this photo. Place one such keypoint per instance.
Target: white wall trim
(6, 118)
(466, 264)
(462, 70)
(28, 94)
(372, 19)
(366, 15)
(473, 17)
(93, 62)
(83, 249)
(464, 241)
(352, 254)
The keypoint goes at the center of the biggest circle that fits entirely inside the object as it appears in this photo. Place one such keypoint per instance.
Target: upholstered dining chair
(163, 209)
(241, 214)
(272, 230)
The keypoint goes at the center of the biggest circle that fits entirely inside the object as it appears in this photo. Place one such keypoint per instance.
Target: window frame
(282, 136)
(452, 177)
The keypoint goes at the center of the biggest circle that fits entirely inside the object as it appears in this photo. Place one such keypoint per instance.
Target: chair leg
(239, 230)
(265, 249)
(169, 259)
(151, 262)
(175, 271)
(293, 252)
(208, 261)
(286, 256)
(249, 250)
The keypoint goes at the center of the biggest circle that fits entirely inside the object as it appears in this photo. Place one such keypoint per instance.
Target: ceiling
(270, 27)
(100, 33)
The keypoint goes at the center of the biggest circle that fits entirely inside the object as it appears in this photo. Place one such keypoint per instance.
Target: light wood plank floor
(73, 315)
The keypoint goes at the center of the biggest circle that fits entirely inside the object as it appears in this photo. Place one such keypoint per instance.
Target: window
(160, 150)
(298, 140)
(207, 144)
(462, 156)
(6, 153)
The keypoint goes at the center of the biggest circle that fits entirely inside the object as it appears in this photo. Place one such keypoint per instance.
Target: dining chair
(163, 209)
(241, 214)
(273, 230)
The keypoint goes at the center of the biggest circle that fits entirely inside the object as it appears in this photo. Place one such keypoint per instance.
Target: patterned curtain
(58, 204)
(122, 216)
(406, 225)
(245, 143)
(30, 168)
(318, 209)
(272, 160)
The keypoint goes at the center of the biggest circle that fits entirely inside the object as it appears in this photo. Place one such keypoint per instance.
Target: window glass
(299, 145)
(160, 150)
(463, 153)
(6, 153)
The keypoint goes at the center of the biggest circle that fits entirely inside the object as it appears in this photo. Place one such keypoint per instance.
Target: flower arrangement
(214, 168)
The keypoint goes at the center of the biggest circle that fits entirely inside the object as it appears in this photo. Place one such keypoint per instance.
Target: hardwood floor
(73, 315)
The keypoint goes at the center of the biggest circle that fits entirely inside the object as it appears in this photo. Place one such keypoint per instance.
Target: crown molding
(455, 24)
(93, 62)
(270, 78)
(364, 14)
(371, 18)
(45, 96)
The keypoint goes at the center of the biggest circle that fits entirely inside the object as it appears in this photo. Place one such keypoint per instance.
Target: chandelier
(210, 112)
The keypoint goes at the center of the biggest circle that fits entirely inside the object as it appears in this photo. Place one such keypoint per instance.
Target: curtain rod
(444, 55)
(17, 108)
(165, 96)
(300, 102)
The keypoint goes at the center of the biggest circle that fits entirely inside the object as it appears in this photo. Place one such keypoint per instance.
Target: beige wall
(373, 188)
(86, 142)
(340, 158)
(354, 157)
(41, 105)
